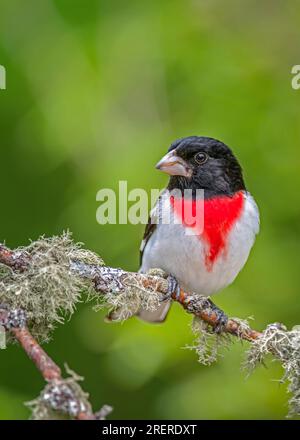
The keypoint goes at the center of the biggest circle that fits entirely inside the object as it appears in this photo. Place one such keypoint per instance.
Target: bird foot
(222, 318)
(173, 287)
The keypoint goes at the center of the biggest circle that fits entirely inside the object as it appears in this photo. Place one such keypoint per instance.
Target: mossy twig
(46, 279)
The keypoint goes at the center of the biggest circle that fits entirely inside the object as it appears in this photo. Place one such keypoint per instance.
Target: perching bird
(203, 258)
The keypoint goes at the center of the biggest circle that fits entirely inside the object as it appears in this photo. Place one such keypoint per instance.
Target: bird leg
(174, 292)
(173, 288)
(221, 317)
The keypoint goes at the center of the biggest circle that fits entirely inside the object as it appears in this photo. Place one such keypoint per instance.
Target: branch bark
(118, 288)
(104, 277)
(59, 395)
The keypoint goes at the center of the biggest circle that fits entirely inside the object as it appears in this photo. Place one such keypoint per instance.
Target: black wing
(154, 218)
(150, 228)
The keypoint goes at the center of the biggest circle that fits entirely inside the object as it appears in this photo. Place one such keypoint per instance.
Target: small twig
(105, 277)
(59, 395)
(35, 352)
(208, 315)
(119, 289)
(126, 292)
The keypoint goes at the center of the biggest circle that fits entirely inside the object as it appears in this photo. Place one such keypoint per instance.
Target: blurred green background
(96, 91)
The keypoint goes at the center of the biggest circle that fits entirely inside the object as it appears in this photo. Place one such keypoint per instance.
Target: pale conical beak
(174, 165)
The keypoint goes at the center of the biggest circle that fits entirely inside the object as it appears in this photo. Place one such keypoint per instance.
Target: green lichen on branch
(284, 346)
(123, 293)
(47, 278)
(129, 301)
(208, 345)
(47, 290)
(60, 399)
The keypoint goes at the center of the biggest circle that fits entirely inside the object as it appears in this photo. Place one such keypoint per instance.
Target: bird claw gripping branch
(221, 318)
(173, 288)
(174, 292)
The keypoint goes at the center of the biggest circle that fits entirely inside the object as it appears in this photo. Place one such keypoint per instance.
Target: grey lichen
(104, 412)
(61, 399)
(47, 290)
(284, 346)
(129, 300)
(208, 344)
(16, 318)
(123, 293)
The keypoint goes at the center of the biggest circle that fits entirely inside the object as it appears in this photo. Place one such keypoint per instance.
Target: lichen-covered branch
(116, 282)
(60, 396)
(51, 274)
(15, 260)
(14, 321)
(144, 289)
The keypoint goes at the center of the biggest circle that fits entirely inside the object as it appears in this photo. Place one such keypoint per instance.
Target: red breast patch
(219, 216)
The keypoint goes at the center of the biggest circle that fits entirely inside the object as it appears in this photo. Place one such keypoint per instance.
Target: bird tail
(156, 316)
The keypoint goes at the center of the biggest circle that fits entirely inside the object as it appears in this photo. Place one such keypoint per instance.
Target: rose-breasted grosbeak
(210, 259)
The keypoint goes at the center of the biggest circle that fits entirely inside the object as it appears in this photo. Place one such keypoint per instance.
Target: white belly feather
(170, 249)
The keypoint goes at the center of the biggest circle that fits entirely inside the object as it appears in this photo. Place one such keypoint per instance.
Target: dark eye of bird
(200, 158)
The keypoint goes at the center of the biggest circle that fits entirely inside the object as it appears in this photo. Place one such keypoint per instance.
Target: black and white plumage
(205, 262)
